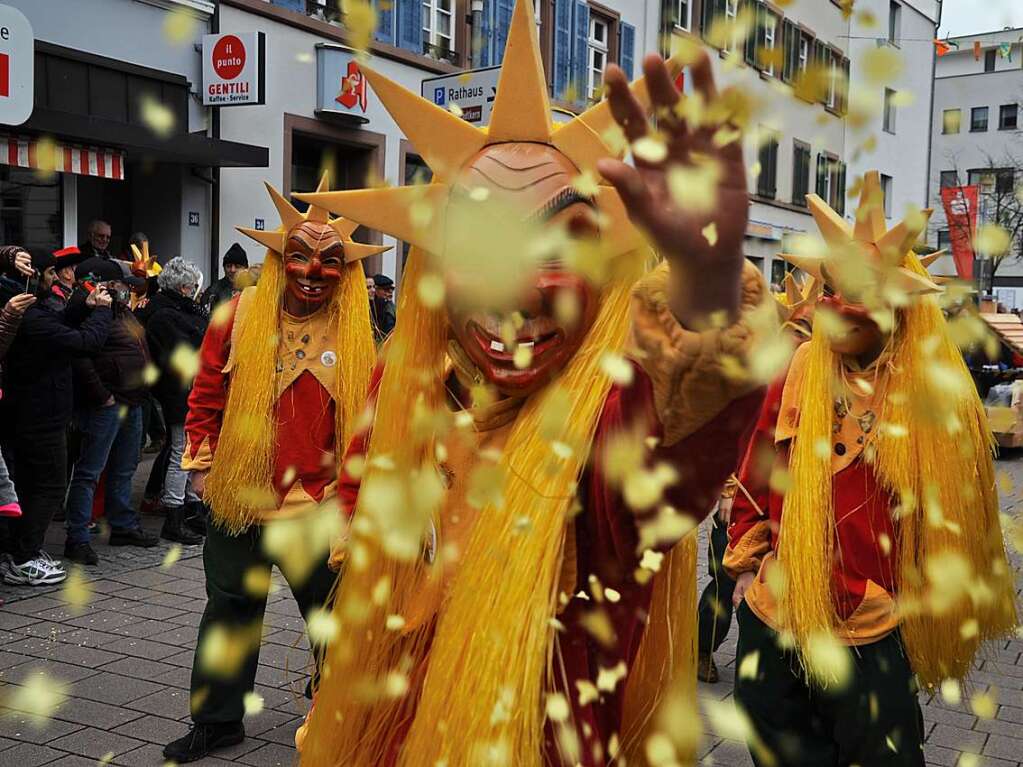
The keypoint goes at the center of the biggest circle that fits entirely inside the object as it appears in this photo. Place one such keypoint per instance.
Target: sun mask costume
(284, 373)
(889, 538)
(459, 620)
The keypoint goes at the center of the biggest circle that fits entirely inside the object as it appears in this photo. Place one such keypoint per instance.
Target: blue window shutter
(562, 46)
(580, 50)
(486, 33)
(410, 25)
(385, 21)
(505, 9)
(627, 49)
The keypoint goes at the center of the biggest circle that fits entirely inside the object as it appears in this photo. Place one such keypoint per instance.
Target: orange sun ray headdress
(508, 574)
(239, 488)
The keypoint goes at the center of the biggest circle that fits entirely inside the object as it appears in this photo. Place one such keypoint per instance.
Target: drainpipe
(477, 31)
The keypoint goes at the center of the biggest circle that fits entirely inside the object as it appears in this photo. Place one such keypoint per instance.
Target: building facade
(117, 132)
(320, 115)
(820, 123)
(976, 140)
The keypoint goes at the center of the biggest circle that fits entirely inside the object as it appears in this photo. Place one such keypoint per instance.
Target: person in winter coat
(10, 319)
(235, 260)
(35, 414)
(176, 326)
(110, 390)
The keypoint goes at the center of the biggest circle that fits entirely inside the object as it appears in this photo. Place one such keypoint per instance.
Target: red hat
(68, 257)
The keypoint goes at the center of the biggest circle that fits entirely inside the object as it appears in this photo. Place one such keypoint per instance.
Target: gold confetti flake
(322, 626)
(749, 665)
(558, 708)
(157, 117)
(171, 557)
(253, 703)
(77, 590)
(180, 26)
(650, 149)
(617, 368)
(608, 678)
(985, 704)
(710, 234)
(39, 696)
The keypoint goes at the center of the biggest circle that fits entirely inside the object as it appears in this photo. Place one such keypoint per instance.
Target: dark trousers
(233, 564)
(715, 610)
(38, 465)
(874, 720)
(152, 422)
(154, 485)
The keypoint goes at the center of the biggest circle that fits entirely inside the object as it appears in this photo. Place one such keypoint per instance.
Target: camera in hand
(14, 286)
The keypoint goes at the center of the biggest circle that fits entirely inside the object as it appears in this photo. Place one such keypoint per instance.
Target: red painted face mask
(313, 261)
(552, 341)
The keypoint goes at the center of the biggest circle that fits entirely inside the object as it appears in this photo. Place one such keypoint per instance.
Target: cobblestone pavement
(126, 658)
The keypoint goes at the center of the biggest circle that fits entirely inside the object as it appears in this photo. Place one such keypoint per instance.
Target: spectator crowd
(96, 357)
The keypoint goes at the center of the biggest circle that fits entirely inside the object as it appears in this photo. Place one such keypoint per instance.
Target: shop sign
(234, 69)
(17, 67)
(341, 86)
(473, 92)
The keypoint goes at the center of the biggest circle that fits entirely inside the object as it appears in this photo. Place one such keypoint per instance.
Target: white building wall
(961, 83)
(904, 155)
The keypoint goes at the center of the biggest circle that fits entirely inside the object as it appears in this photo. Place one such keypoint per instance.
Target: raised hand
(703, 242)
(19, 304)
(23, 263)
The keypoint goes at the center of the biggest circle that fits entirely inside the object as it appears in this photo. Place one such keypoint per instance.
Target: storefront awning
(48, 155)
(1008, 328)
(141, 143)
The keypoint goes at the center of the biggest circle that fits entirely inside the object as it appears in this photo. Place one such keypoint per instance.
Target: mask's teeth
(496, 346)
(527, 344)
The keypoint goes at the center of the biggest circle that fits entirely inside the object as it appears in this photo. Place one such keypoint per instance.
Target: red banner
(961, 203)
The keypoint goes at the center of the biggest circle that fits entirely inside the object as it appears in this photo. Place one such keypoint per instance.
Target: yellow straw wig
(933, 452)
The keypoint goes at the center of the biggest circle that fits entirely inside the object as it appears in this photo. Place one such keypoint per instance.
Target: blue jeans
(111, 442)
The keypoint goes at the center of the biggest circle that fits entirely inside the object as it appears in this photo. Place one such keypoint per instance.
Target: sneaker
(81, 553)
(203, 739)
(135, 537)
(153, 448)
(40, 571)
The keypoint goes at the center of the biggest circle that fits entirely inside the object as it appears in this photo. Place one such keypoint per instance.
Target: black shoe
(81, 553)
(202, 740)
(706, 668)
(175, 530)
(134, 537)
(195, 517)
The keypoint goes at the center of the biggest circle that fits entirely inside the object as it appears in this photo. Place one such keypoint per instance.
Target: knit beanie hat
(236, 255)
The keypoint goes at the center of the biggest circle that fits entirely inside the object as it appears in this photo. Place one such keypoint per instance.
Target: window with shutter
(409, 24)
(503, 10)
(627, 49)
(385, 21)
(580, 50)
(822, 176)
(790, 50)
(836, 187)
(767, 181)
(562, 53)
(439, 28)
(800, 173)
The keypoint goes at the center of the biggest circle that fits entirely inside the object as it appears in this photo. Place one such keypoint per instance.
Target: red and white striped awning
(50, 155)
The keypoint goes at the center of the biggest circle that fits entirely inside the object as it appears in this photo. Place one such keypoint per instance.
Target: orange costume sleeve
(208, 399)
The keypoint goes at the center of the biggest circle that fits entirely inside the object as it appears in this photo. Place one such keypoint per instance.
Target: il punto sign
(233, 69)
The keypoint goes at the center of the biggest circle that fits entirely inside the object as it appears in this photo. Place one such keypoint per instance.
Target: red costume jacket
(864, 580)
(304, 462)
(701, 422)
